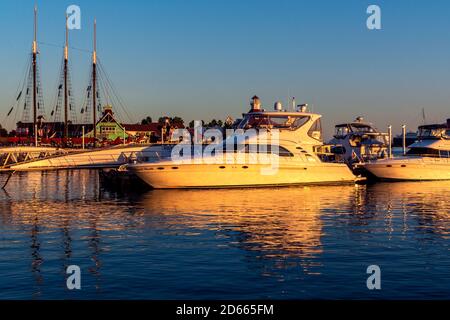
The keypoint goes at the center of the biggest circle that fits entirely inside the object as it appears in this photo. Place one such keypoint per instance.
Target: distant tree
(3, 132)
(212, 124)
(215, 123)
(147, 120)
(177, 122)
(162, 120)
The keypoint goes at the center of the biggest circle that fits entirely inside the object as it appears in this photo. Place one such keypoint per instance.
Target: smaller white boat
(427, 159)
(359, 141)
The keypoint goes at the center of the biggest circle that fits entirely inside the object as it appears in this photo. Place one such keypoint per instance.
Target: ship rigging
(64, 126)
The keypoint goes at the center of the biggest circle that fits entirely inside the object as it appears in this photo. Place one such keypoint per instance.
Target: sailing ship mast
(94, 80)
(66, 94)
(34, 63)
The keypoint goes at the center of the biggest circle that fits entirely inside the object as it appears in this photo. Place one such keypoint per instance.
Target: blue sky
(204, 59)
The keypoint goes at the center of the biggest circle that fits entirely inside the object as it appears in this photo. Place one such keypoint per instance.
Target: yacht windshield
(273, 121)
(447, 134)
(360, 128)
(343, 130)
(433, 133)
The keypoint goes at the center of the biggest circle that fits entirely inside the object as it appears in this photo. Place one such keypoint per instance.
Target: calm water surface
(286, 243)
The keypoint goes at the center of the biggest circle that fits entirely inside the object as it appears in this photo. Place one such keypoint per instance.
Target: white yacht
(427, 159)
(359, 141)
(289, 142)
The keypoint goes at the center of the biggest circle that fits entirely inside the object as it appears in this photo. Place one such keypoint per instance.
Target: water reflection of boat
(171, 236)
(58, 205)
(421, 197)
(276, 223)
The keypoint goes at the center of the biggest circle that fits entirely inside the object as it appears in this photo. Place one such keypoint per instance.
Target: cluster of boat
(357, 151)
(289, 141)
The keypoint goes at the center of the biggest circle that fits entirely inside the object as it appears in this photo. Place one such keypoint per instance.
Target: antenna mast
(424, 118)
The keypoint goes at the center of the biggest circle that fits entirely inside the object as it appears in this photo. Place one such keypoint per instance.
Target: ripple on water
(299, 242)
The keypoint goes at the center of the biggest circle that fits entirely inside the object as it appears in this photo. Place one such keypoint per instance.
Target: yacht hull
(410, 169)
(227, 176)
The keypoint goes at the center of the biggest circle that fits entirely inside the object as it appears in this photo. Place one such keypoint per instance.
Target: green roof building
(108, 128)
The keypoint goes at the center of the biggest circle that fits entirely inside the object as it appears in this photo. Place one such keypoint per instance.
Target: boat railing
(88, 161)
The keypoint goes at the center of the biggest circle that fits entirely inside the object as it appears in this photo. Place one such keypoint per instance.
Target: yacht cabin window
(315, 131)
(256, 148)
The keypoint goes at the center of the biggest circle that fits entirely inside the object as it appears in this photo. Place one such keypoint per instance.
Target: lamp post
(404, 139)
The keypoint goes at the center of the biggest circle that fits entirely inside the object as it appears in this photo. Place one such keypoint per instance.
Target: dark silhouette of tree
(212, 124)
(3, 132)
(175, 121)
(162, 120)
(147, 120)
